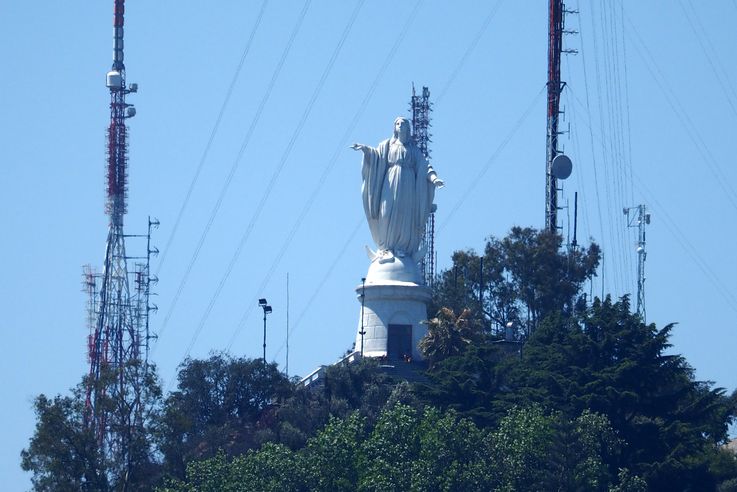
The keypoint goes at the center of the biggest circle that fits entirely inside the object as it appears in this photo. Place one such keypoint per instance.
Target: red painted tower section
(555, 86)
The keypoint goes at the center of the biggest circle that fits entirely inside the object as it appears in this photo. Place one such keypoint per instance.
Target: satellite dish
(562, 166)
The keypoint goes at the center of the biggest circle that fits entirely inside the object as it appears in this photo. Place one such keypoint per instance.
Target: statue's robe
(397, 195)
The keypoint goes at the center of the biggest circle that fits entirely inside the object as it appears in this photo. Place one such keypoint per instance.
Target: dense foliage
(426, 450)
(592, 400)
(602, 360)
(518, 281)
(64, 453)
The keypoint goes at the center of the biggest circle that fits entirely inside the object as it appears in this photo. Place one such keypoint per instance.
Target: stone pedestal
(393, 310)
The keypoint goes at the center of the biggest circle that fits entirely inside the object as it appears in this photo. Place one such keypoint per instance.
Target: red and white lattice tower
(421, 107)
(117, 314)
(555, 86)
(556, 30)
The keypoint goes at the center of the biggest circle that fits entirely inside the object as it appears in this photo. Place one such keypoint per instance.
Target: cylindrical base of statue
(393, 313)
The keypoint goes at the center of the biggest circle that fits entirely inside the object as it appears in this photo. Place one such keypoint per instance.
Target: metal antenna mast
(421, 108)
(118, 316)
(639, 220)
(556, 30)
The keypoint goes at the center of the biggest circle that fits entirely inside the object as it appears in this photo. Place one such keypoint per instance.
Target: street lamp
(363, 301)
(267, 310)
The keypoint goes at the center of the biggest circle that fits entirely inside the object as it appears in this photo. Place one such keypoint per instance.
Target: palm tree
(449, 334)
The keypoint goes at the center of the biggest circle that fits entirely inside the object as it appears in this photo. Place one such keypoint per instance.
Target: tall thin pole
(267, 309)
(481, 284)
(363, 302)
(575, 219)
(264, 336)
(287, 361)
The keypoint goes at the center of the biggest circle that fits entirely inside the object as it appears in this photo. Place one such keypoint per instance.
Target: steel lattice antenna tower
(556, 30)
(421, 107)
(640, 221)
(117, 315)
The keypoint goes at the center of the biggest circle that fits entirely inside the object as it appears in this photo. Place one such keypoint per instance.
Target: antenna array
(639, 220)
(118, 317)
(556, 30)
(421, 108)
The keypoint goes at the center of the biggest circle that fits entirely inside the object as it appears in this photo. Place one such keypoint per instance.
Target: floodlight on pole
(267, 310)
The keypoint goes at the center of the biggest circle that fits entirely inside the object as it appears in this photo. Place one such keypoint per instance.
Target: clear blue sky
(652, 106)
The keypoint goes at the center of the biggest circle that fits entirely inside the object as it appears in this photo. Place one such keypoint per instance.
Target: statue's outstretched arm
(432, 176)
(363, 148)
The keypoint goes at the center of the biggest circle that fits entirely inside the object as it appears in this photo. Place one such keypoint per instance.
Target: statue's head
(401, 129)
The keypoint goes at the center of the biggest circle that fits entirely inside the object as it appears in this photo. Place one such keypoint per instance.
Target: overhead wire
(494, 156)
(627, 242)
(318, 289)
(629, 162)
(702, 35)
(613, 257)
(236, 162)
(213, 132)
(690, 249)
(627, 108)
(591, 134)
(683, 116)
(675, 230)
(331, 164)
(580, 175)
(627, 197)
(329, 272)
(269, 187)
(470, 49)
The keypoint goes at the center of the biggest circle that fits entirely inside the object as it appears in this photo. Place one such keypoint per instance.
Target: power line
(214, 130)
(332, 162)
(682, 114)
(591, 132)
(324, 279)
(700, 36)
(469, 50)
(236, 162)
(485, 168)
(680, 237)
(267, 192)
(690, 250)
(336, 153)
(605, 158)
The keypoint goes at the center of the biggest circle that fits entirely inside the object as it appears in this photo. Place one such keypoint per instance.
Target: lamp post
(267, 310)
(363, 301)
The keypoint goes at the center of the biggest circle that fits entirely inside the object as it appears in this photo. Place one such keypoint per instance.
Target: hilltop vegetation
(594, 400)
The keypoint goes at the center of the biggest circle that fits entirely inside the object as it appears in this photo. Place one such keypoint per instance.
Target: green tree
(470, 384)
(273, 468)
(216, 406)
(449, 334)
(607, 361)
(452, 454)
(332, 456)
(519, 280)
(65, 454)
(423, 451)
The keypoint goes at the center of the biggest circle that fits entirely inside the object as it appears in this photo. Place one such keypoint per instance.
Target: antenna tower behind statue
(421, 107)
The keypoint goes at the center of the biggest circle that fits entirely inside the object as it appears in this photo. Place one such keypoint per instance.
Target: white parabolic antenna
(562, 166)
